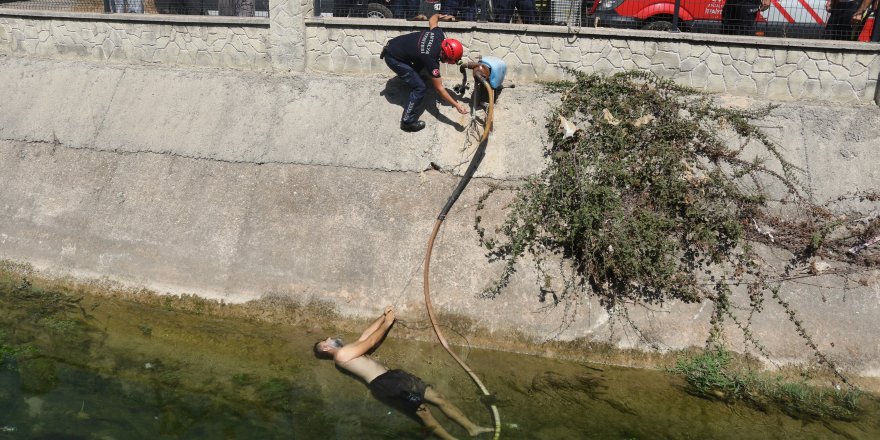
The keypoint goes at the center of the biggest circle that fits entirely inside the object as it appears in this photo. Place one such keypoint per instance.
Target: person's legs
(450, 7)
(414, 7)
(848, 31)
(453, 412)
(404, 8)
(503, 10)
(832, 26)
(398, 8)
(468, 10)
(727, 18)
(746, 21)
(734, 18)
(839, 25)
(431, 423)
(527, 12)
(414, 106)
(412, 78)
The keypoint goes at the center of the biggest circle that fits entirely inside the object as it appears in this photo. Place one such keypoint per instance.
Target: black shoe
(413, 127)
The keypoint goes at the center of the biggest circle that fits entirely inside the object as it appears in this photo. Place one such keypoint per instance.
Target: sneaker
(412, 127)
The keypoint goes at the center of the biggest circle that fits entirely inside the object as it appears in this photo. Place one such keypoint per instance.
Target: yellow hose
(426, 281)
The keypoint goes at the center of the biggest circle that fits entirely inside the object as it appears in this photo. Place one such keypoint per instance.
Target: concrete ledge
(138, 18)
(629, 34)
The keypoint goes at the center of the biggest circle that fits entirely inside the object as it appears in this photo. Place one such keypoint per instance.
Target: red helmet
(451, 50)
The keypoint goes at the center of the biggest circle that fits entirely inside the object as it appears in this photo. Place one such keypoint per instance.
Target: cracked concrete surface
(255, 118)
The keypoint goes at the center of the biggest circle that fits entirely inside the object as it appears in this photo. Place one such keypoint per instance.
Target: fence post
(675, 16)
(287, 34)
(875, 34)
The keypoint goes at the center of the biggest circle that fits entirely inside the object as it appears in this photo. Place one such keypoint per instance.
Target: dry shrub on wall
(649, 195)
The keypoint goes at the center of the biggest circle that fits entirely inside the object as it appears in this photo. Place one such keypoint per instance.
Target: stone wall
(775, 69)
(138, 39)
(291, 39)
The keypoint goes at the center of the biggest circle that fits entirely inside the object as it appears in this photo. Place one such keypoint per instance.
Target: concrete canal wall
(241, 159)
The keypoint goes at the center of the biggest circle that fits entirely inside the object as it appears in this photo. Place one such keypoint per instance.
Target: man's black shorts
(397, 387)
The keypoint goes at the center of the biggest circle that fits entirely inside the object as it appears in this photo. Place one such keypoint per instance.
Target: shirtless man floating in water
(395, 386)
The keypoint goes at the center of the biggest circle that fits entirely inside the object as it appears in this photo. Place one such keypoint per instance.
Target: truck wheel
(658, 25)
(375, 10)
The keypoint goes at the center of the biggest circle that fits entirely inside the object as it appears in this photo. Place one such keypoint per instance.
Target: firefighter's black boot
(412, 127)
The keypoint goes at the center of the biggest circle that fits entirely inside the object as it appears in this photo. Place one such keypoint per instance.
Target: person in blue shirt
(409, 54)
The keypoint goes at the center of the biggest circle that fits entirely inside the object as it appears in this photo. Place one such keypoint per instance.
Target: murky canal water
(85, 367)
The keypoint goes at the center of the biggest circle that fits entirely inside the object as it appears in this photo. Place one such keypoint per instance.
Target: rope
(478, 156)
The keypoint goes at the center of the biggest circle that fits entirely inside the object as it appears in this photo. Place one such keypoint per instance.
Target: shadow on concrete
(397, 92)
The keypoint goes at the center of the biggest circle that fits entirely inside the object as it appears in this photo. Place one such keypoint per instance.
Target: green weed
(710, 375)
(652, 193)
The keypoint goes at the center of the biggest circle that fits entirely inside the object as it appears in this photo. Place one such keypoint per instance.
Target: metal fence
(243, 8)
(829, 19)
(568, 12)
(852, 20)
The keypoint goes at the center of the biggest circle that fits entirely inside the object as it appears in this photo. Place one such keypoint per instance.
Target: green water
(83, 367)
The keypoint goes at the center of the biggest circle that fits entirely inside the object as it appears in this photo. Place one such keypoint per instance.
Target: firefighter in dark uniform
(738, 16)
(408, 54)
(844, 18)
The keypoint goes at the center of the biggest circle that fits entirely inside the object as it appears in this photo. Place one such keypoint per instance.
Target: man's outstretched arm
(371, 336)
(375, 325)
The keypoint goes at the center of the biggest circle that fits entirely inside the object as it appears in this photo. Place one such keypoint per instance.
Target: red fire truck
(785, 18)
